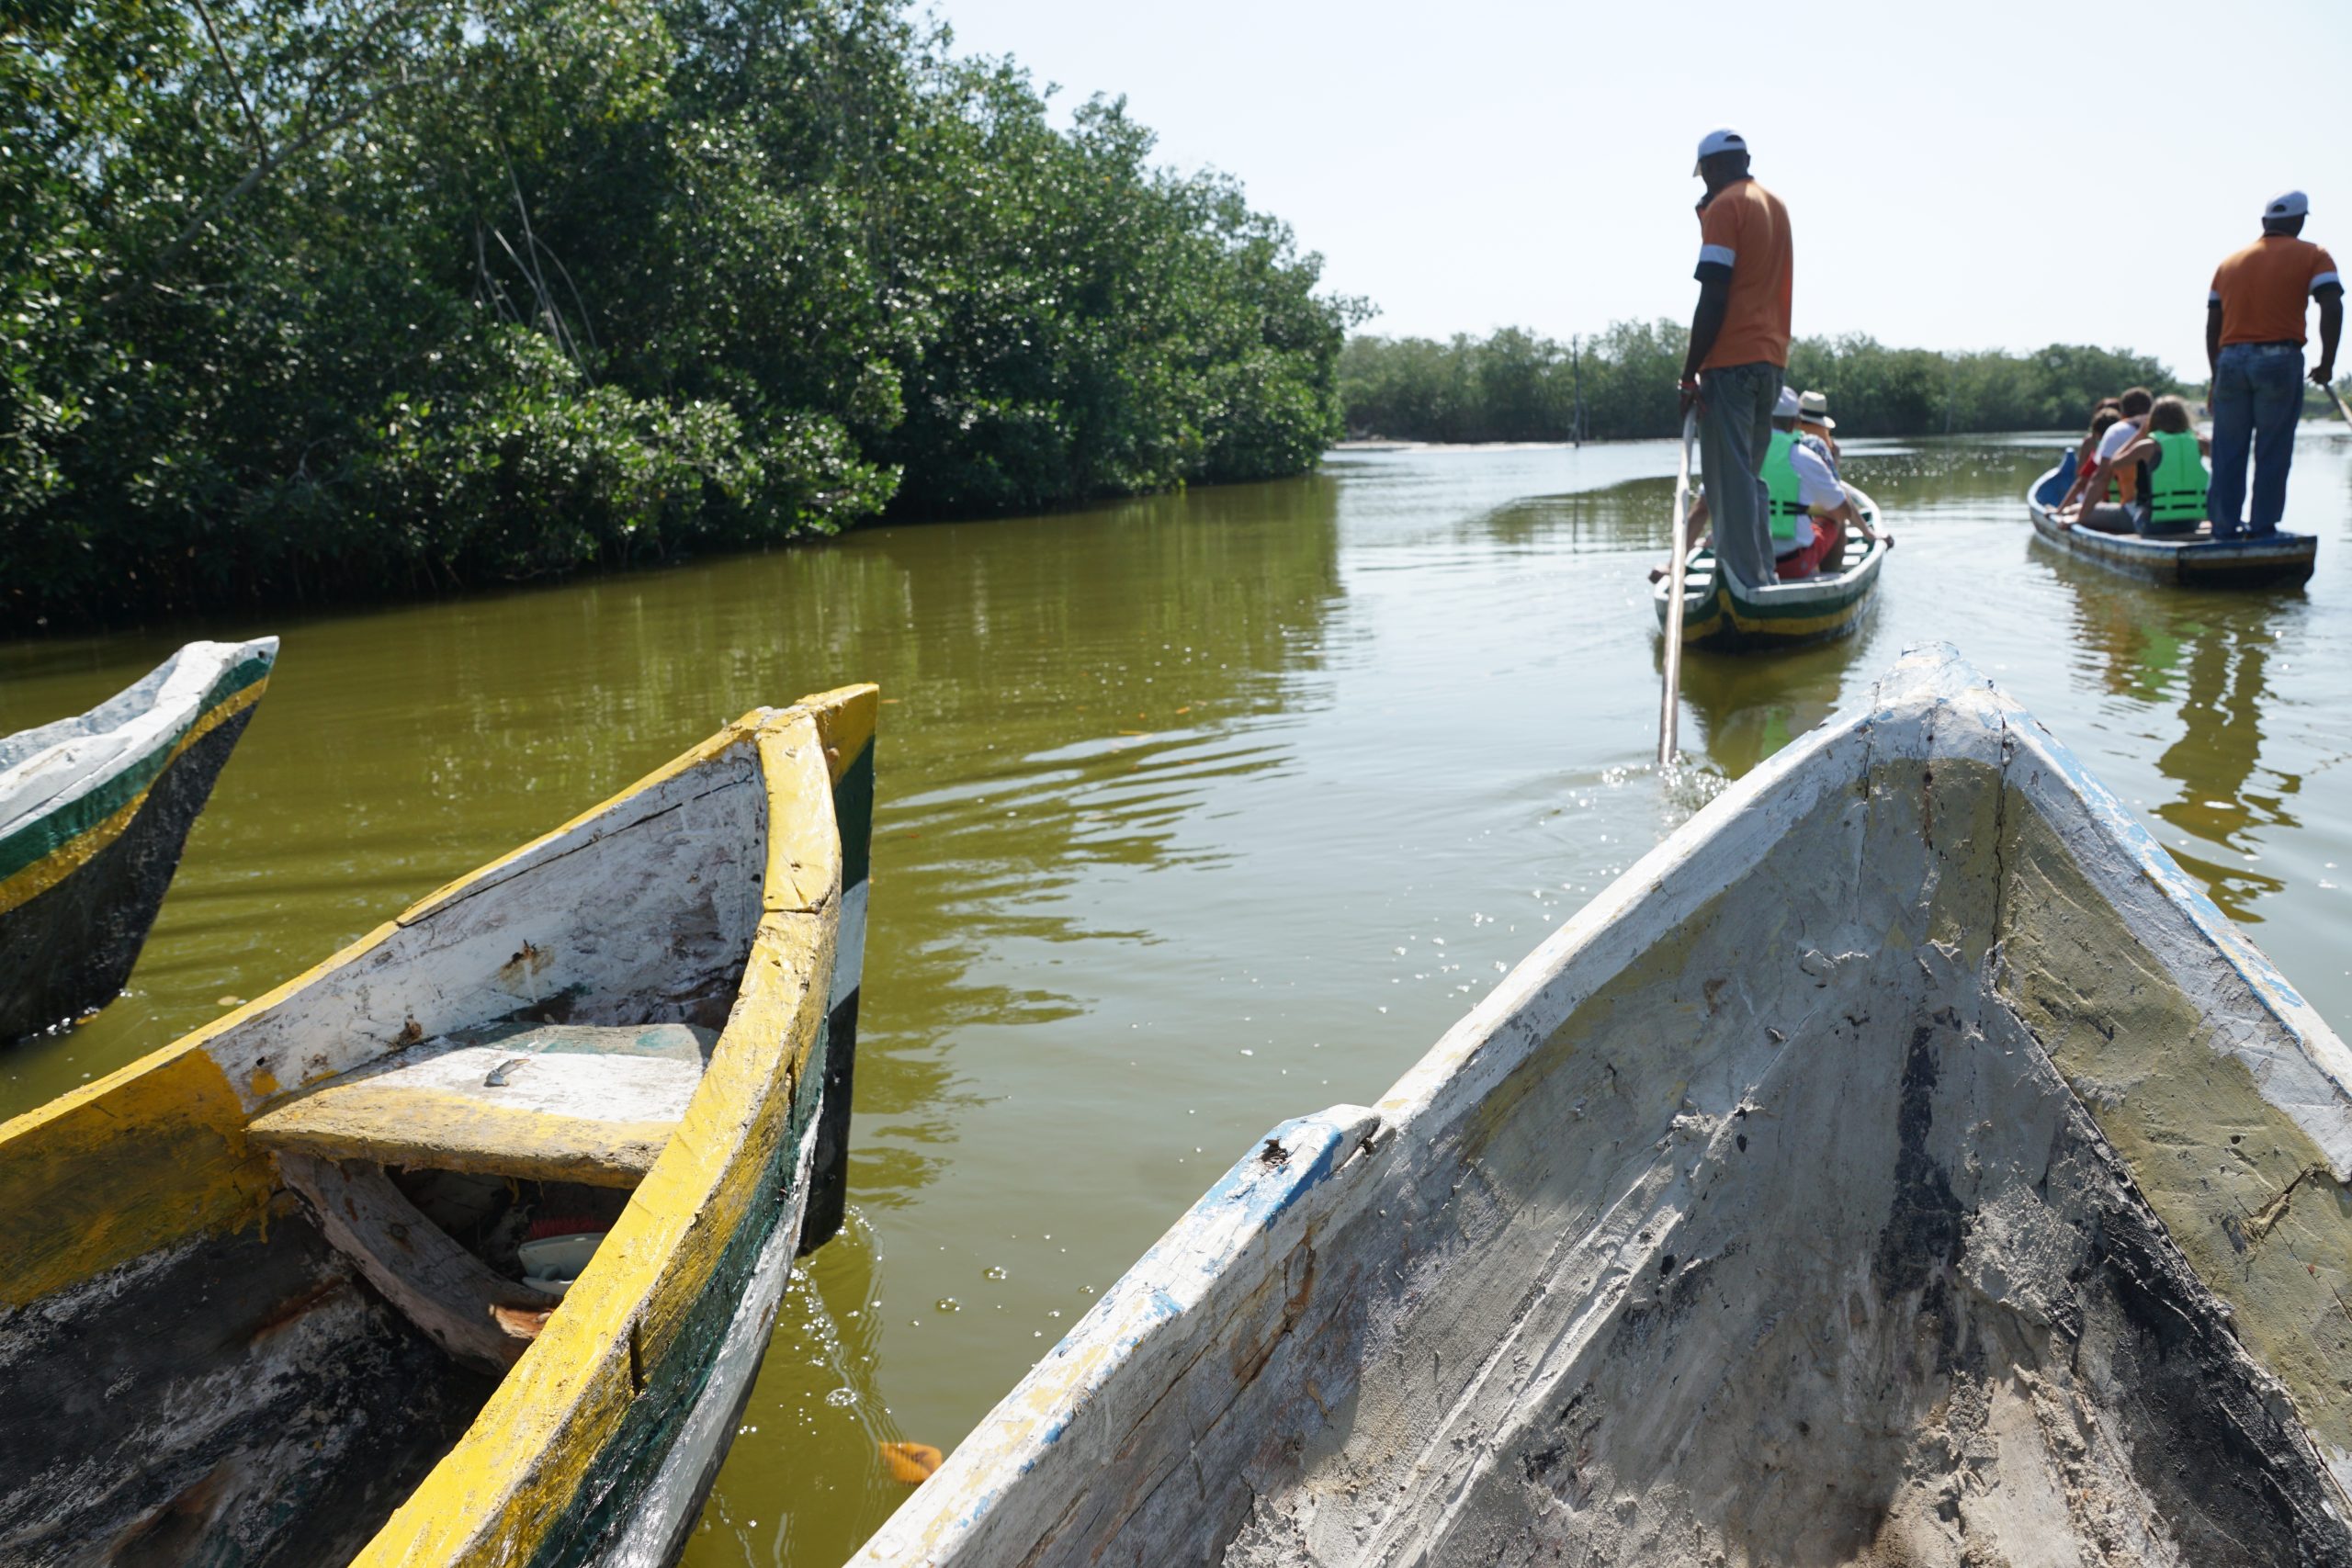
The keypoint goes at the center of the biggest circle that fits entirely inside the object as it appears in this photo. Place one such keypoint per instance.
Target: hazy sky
(1994, 174)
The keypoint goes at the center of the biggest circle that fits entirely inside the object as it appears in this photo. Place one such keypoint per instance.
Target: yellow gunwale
(506, 1480)
(71, 857)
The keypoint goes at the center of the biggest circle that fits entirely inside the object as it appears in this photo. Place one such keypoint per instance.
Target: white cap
(1716, 141)
(2288, 204)
(1789, 407)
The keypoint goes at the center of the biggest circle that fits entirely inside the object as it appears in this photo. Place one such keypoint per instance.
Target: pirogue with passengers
(1904, 1163)
(1721, 614)
(465, 1246)
(2195, 560)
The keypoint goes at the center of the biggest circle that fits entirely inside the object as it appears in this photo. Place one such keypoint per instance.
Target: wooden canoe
(1720, 614)
(1904, 1162)
(259, 1299)
(2191, 560)
(93, 812)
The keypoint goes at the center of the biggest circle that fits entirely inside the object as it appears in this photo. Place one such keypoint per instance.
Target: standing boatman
(2254, 345)
(1739, 348)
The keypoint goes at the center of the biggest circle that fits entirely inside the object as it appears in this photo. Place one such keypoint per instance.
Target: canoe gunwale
(98, 808)
(557, 1459)
(1006, 1492)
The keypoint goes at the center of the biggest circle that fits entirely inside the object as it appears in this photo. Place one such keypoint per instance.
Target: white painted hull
(1864, 1176)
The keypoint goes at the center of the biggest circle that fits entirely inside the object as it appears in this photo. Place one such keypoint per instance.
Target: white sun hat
(1788, 407)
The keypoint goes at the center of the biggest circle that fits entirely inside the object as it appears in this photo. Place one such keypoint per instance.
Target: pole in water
(1670, 699)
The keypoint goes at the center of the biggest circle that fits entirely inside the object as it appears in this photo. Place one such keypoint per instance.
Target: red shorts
(1805, 561)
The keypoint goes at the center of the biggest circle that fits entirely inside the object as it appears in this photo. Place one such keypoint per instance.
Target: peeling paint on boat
(1899, 1164)
(710, 894)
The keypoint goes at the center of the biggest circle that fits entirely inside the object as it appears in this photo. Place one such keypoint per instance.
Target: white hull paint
(1799, 1200)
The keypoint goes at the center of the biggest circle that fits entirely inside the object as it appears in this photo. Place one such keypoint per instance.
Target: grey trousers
(1735, 433)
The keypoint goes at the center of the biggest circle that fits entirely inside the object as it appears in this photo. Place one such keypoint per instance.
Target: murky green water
(1197, 813)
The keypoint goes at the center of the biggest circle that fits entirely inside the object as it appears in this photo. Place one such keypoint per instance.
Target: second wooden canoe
(2191, 560)
(1904, 1162)
(267, 1296)
(94, 813)
(1719, 612)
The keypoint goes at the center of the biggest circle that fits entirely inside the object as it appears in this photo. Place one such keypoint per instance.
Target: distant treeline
(358, 297)
(1516, 386)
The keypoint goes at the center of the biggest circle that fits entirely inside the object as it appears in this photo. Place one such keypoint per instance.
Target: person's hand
(1689, 392)
(2322, 375)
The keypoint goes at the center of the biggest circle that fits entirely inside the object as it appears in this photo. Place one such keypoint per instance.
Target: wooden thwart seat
(551, 1102)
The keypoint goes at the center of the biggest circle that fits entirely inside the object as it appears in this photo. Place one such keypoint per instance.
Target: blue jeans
(1735, 433)
(2257, 398)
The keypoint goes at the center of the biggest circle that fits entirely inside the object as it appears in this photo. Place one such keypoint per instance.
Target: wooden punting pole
(1670, 700)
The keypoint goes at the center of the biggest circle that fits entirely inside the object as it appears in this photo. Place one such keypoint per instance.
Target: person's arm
(2213, 342)
(1718, 253)
(1706, 325)
(2074, 490)
(2331, 329)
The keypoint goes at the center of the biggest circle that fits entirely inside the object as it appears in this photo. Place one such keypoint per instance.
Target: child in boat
(2168, 463)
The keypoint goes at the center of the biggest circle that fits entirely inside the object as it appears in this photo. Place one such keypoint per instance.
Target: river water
(1196, 813)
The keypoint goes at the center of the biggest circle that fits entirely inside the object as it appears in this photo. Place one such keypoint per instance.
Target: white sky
(1994, 175)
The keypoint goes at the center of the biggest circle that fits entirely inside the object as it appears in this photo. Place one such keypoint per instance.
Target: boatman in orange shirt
(1739, 348)
(2254, 344)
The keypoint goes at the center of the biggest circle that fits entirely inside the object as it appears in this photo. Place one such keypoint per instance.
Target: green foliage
(356, 297)
(1515, 385)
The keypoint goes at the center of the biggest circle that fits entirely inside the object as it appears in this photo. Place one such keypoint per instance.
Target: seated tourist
(1813, 419)
(2168, 468)
(1809, 511)
(2106, 512)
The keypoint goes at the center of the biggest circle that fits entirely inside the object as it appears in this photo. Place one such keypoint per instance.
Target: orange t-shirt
(2261, 290)
(1744, 227)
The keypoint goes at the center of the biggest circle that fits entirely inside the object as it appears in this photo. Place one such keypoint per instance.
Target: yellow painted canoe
(263, 1295)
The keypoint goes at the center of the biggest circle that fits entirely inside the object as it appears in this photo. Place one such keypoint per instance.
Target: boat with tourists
(95, 811)
(465, 1246)
(1726, 615)
(2193, 559)
(1904, 1161)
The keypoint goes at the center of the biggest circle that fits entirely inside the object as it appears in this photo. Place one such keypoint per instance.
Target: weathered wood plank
(500, 1109)
(445, 1290)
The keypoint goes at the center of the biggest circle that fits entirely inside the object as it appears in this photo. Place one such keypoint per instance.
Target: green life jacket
(2176, 482)
(1781, 484)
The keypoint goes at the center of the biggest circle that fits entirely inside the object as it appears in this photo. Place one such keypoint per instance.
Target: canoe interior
(1857, 1181)
(95, 811)
(1721, 617)
(2283, 559)
(261, 1291)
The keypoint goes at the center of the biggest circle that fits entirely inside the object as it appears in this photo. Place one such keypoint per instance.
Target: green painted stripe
(45, 835)
(616, 1477)
(853, 816)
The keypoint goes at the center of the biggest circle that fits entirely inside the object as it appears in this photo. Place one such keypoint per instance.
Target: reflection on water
(1196, 813)
(2205, 657)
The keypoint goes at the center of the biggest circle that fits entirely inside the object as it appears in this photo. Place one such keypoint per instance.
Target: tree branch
(236, 82)
(269, 164)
